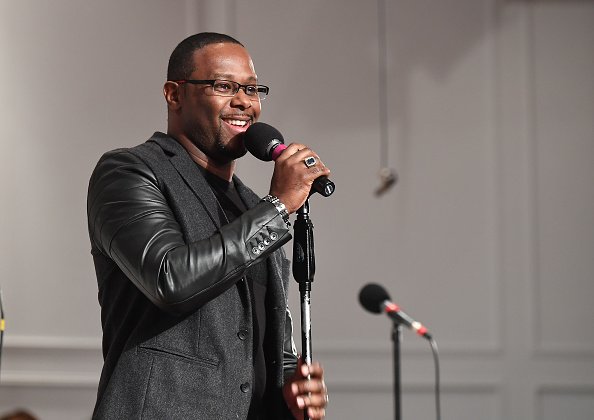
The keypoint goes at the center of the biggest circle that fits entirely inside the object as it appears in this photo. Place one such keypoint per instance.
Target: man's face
(215, 124)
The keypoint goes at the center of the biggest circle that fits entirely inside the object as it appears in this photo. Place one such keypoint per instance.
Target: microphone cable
(2, 325)
(435, 352)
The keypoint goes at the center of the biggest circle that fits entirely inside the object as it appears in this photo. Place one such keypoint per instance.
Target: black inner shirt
(257, 276)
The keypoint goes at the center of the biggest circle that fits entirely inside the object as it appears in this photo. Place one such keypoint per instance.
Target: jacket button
(242, 334)
(267, 241)
(273, 236)
(261, 246)
(255, 250)
(245, 387)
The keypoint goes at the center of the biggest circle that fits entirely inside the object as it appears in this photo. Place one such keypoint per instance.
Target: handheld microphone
(375, 299)
(267, 143)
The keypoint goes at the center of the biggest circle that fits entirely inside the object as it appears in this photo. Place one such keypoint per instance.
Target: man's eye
(251, 90)
(223, 87)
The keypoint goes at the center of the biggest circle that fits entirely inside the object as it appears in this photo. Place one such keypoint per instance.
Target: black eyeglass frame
(260, 89)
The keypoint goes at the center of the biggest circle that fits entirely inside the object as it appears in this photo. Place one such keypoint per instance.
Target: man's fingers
(314, 400)
(315, 370)
(316, 413)
(308, 386)
(308, 390)
(291, 150)
(298, 153)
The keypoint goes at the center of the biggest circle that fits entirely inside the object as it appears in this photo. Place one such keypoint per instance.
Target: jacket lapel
(187, 169)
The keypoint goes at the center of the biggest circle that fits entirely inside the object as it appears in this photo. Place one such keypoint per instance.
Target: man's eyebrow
(227, 76)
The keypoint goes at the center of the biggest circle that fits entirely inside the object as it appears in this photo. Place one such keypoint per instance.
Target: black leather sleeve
(131, 222)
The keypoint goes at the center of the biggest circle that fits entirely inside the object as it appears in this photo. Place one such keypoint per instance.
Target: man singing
(192, 278)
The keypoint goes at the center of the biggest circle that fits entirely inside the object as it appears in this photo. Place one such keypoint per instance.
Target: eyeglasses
(229, 88)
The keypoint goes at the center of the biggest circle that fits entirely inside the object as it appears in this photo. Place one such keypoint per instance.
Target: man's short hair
(181, 63)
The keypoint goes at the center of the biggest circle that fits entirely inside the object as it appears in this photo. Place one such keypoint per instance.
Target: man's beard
(227, 152)
(218, 150)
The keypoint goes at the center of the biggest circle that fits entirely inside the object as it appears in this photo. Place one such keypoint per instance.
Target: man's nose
(241, 99)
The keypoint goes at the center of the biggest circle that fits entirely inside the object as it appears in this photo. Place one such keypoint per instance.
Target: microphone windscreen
(259, 139)
(372, 296)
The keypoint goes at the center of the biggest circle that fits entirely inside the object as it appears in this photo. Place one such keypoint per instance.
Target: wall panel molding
(52, 342)
(413, 345)
(421, 387)
(384, 348)
(540, 47)
(55, 380)
(51, 361)
(568, 401)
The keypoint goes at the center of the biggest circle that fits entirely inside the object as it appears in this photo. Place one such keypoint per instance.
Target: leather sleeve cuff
(270, 236)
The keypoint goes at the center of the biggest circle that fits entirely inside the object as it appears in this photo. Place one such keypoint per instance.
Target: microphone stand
(304, 267)
(396, 339)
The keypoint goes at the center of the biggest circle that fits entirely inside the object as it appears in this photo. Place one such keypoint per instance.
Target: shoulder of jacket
(135, 153)
(117, 159)
(119, 164)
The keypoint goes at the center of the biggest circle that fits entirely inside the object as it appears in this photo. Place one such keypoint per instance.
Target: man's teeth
(239, 123)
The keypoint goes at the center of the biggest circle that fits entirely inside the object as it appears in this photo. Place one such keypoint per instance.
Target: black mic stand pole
(304, 267)
(396, 339)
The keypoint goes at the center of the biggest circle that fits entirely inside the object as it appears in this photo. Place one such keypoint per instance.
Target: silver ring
(310, 161)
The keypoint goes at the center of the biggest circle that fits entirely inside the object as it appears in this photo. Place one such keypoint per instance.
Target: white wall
(488, 236)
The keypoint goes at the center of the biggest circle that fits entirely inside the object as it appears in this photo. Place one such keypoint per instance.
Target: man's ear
(172, 92)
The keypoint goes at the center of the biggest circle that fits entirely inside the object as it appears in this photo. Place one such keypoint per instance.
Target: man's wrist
(280, 207)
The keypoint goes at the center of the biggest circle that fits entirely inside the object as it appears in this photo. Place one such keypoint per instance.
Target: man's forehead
(224, 59)
(252, 77)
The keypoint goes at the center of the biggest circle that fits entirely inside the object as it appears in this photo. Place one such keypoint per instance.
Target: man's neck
(224, 171)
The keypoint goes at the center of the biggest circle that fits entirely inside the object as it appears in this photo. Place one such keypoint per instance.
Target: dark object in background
(18, 415)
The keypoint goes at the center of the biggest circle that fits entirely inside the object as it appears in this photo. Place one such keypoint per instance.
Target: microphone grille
(372, 296)
(259, 138)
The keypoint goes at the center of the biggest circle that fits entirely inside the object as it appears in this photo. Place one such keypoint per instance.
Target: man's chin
(228, 154)
(236, 146)
(240, 153)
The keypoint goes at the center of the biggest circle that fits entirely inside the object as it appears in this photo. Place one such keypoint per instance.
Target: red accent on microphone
(422, 330)
(277, 151)
(391, 307)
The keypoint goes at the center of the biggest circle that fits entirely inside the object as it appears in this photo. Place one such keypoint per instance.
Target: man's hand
(301, 393)
(292, 178)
